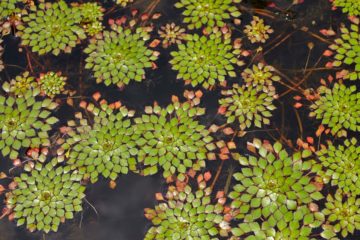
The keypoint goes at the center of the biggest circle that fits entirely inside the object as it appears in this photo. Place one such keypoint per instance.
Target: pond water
(118, 214)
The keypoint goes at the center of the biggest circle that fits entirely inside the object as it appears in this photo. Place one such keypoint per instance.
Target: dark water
(120, 211)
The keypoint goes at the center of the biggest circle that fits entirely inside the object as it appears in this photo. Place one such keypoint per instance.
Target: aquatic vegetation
(52, 83)
(347, 50)
(338, 108)
(257, 31)
(187, 214)
(351, 7)
(123, 3)
(172, 138)
(52, 27)
(342, 215)
(208, 13)
(20, 85)
(260, 76)
(171, 34)
(205, 60)
(104, 145)
(340, 166)
(24, 122)
(46, 197)
(273, 186)
(8, 7)
(92, 15)
(299, 227)
(120, 56)
(247, 106)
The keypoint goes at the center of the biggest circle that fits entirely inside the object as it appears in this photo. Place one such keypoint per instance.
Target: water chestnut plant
(172, 139)
(260, 76)
(300, 226)
(351, 7)
(205, 60)
(20, 84)
(347, 51)
(103, 145)
(247, 106)
(273, 185)
(120, 55)
(257, 31)
(92, 15)
(342, 215)
(8, 7)
(45, 197)
(339, 165)
(208, 13)
(52, 83)
(25, 122)
(187, 214)
(338, 108)
(51, 27)
(171, 34)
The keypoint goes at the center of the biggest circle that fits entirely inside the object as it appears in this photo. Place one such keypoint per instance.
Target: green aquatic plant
(338, 108)
(8, 7)
(205, 60)
(171, 34)
(123, 3)
(342, 215)
(24, 122)
(52, 83)
(351, 7)
(52, 27)
(347, 49)
(340, 165)
(208, 13)
(92, 15)
(300, 224)
(257, 31)
(187, 215)
(104, 145)
(120, 56)
(20, 85)
(247, 106)
(260, 76)
(273, 185)
(45, 197)
(172, 139)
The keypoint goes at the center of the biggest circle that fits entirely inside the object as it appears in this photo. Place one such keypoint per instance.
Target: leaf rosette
(257, 31)
(51, 27)
(205, 60)
(171, 138)
(25, 122)
(347, 49)
(187, 215)
(120, 56)
(342, 215)
(261, 77)
(52, 83)
(8, 7)
(300, 227)
(247, 106)
(338, 108)
(103, 145)
(45, 197)
(351, 7)
(273, 186)
(20, 84)
(208, 13)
